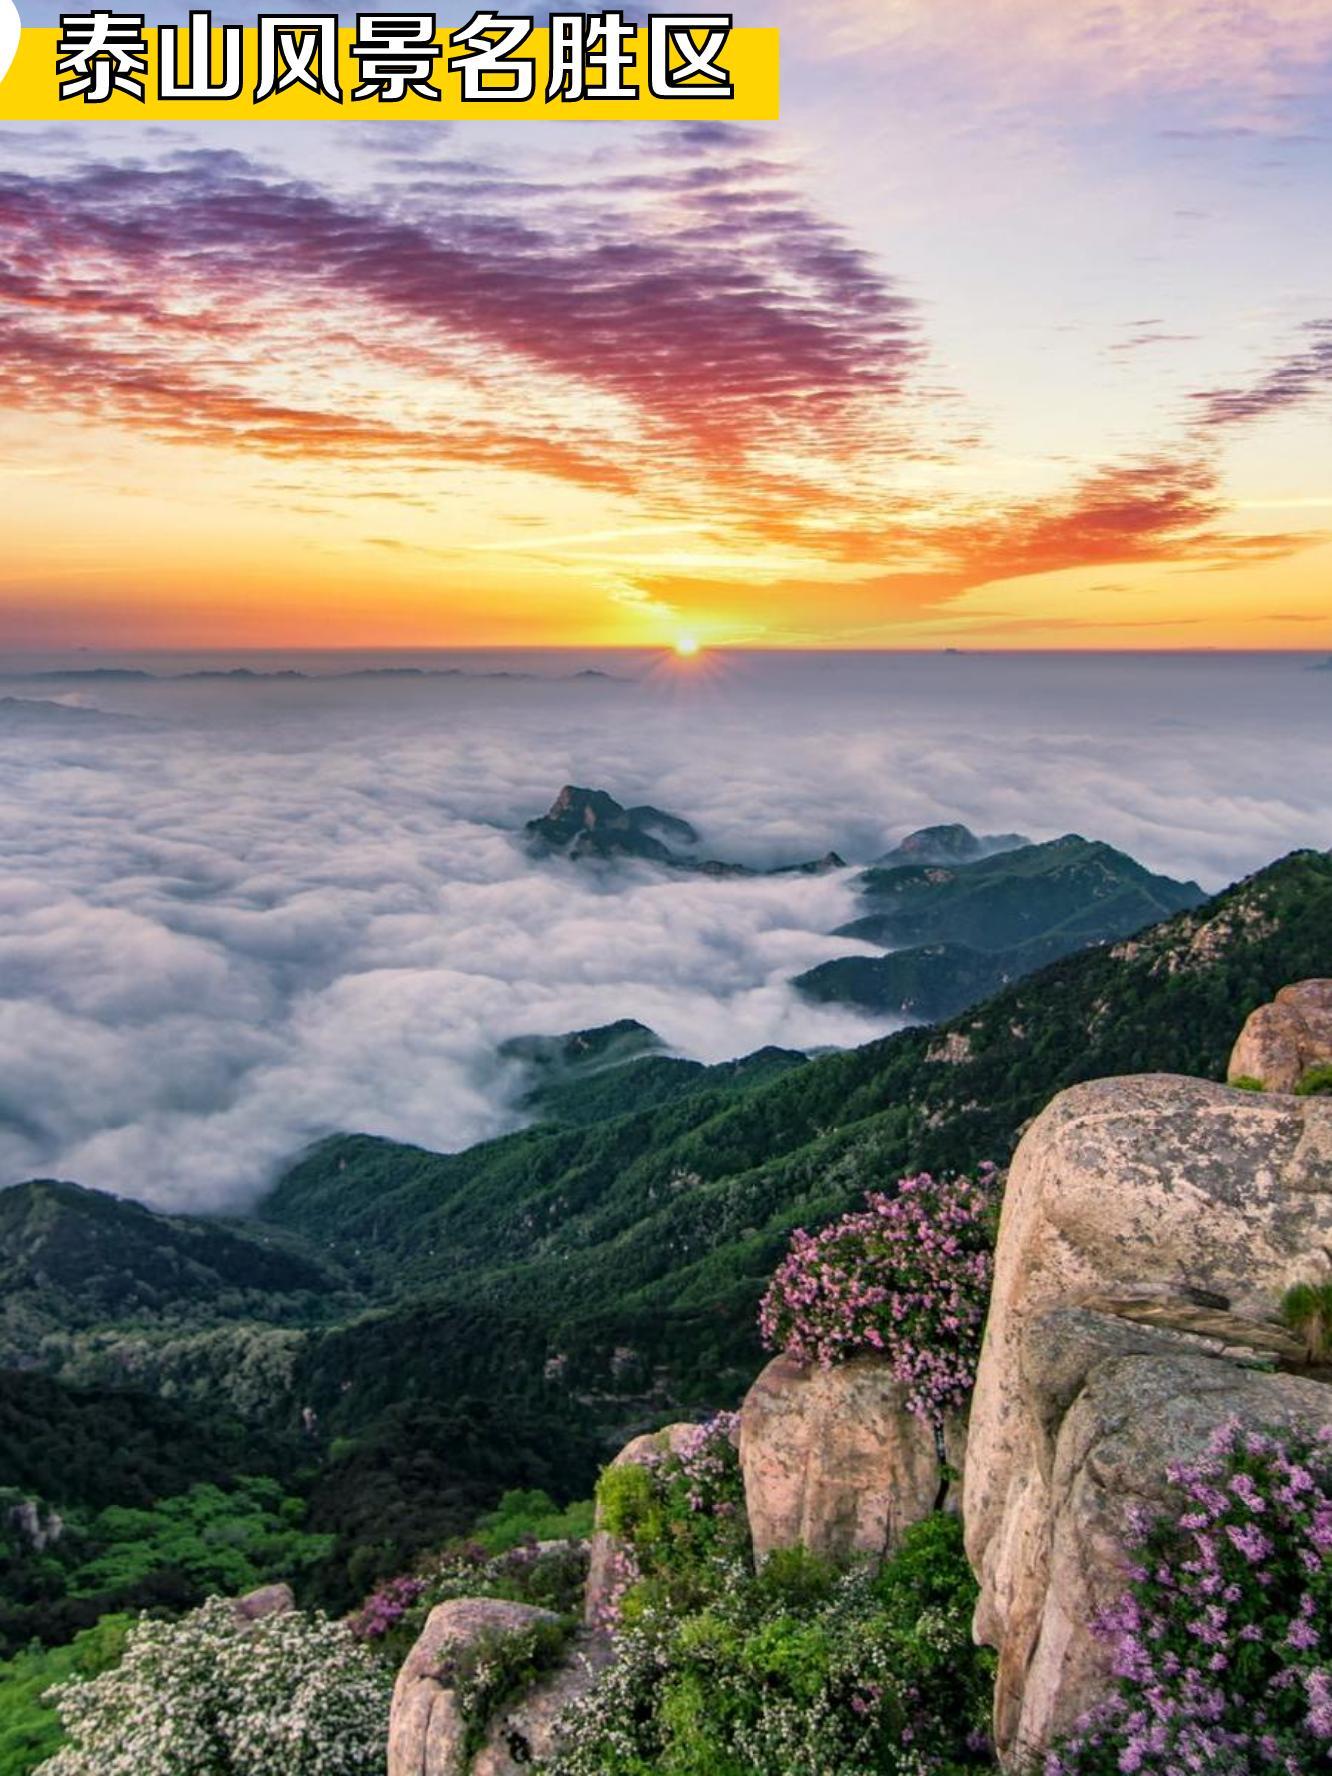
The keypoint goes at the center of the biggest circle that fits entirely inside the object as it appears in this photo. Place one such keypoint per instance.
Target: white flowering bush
(212, 1696)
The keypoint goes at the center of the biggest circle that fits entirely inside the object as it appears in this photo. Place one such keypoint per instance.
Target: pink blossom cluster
(908, 1277)
(621, 1573)
(1222, 1645)
(705, 1461)
(385, 1608)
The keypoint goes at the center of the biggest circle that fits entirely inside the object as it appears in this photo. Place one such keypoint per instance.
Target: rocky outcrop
(268, 1600)
(948, 844)
(607, 1566)
(1282, 1041)
(1133, 1419)
(835, 1463)
(427, 1727)
(1150, 1228)
(37, 1524)
(527, 1731)
(589, 824)
(428, 1730)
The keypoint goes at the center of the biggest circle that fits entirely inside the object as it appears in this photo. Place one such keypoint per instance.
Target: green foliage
(550, 1577)
(93, 1448)
(681, 1517)
(422, 1472)
(1245, 1082)
(1316, 1083)
(30, 1728)
(1307, 1310)
(798, 1670)
(648, 1081)
(625, 1499)
(495, 1667)
(247, 1369)
(532, 1516)
(152, 1513)
(172, 1554)
(73, 1258)
(222, 1541)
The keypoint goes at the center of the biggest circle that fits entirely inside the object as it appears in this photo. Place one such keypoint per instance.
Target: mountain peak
(590, 822)
(950, 843)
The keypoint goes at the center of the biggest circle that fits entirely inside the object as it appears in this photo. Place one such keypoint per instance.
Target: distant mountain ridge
(962, 914)
(243, 674)
(44, 717)
(960, 932)
(590, 823)
(72, 1257)
(580, 1078)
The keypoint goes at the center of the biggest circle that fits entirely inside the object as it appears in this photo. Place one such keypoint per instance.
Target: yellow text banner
(31, 91)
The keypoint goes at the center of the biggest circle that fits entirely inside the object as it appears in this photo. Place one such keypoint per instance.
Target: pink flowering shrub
(1223, 1642)
(551, 1576)
(678, 1517)
(907, 1277)
(704, 1472)
(382, 1612)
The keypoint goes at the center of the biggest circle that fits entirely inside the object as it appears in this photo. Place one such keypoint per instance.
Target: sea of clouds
(236, 915)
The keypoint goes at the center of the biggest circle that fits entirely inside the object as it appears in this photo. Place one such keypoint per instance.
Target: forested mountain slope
(73, 1258)
(651, 1233)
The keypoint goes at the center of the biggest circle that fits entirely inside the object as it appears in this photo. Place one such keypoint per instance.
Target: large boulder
(427, 1728)
(1150, 1229)
(1133, 1419)
(1283, 1040)
(609, 1563)
(268, 1600)
(834, 1462)
(527, 1731)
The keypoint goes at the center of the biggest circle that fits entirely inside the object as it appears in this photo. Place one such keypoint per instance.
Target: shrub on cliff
(1222, 1643)
(680, 1520)
(547, 1577)
(212, 1696)
(908, 1278)
(798, 1670)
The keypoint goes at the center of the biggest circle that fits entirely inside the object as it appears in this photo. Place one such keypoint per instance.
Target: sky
(1014, 332)
(238, 914)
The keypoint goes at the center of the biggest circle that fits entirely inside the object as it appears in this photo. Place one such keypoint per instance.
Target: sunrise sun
(686, 647)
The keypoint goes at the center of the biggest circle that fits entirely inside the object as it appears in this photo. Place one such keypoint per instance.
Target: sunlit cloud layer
(240, 915)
